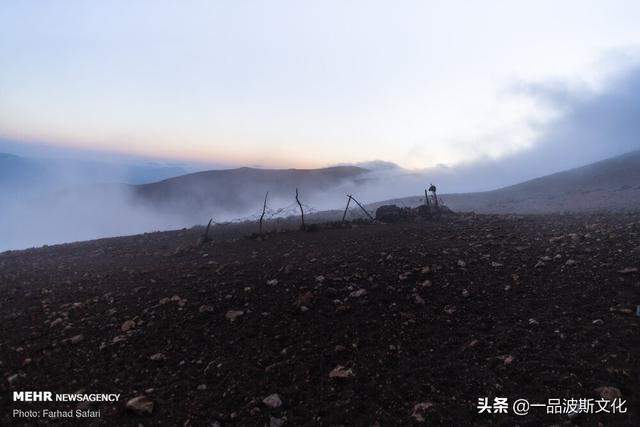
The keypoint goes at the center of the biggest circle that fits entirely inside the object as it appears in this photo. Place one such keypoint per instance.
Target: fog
(74, 203)
(589, 124)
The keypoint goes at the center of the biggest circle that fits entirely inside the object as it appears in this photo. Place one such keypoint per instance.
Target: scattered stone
(628, 270)
(471, 344)
(202, 387)
(304, 299)
(272, 401)
(233, 314)
(608, 392)
(358, 293)
(449, 309)
(496, 264)
(76, 339)
(140, 405)
(341, 372)
(621, 310)
(205, 309)
(127, 325)
(419, 300)
(158, 357)
(181, 302)
(277, 422)
(598, 322)
(570, 262)
(420, 410)
(272, 282)
(461, 263)
(56, 322)
(118, 338)
(404, 276)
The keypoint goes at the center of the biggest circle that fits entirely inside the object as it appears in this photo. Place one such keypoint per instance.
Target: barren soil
(440, 313)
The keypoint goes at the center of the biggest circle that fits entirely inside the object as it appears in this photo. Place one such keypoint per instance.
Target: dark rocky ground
(438, 313)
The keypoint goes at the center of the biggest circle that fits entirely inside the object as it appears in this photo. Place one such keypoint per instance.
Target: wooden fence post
(301, 210)
(264, 208)
(344, 215)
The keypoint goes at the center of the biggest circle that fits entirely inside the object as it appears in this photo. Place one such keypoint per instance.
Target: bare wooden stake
(301, 210)
(426, 199)
(344, 215)
(264, 209)
(205, 236)
(362, 207)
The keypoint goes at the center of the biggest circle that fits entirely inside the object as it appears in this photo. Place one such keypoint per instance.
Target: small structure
(393, 213)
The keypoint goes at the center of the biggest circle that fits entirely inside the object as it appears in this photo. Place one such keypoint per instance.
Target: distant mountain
(241, 190)
(612, 184)
(24, 173)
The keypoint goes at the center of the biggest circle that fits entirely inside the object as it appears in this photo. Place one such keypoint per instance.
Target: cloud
(586, 123)
(590, 125)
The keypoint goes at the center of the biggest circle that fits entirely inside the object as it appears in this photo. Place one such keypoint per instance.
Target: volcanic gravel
(355, 325)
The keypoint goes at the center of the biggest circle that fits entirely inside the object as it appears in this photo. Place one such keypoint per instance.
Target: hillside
(368, 325)
(237, 191)
(609, 185)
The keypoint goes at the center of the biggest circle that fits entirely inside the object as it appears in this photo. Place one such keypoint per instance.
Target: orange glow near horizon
(224, 158)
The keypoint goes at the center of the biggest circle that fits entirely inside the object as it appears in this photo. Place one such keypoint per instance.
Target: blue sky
(300, 84)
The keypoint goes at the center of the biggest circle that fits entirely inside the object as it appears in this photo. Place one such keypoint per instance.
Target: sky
(308, 84)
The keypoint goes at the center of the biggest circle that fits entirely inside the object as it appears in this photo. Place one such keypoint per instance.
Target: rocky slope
(240, 190)
(609, 185)
(389, 324)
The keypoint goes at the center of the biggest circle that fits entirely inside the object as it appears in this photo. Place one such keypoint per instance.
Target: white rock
(358, 293)
(419, 411)
(341, 372)
(140, 405)
(233, 314)
(272, 401)
(128, 324)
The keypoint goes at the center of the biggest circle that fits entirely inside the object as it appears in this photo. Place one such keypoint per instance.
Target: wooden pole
(264, 208)
(344, 215)
(205, 236)
(301, 210)
(361, 207)
(426, 199)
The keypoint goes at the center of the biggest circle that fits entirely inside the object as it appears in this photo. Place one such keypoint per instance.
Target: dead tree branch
(344, 215)
(264, 209)
(301, 210)
(205, 236)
